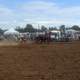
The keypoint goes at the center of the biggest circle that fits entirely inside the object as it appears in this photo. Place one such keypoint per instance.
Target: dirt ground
(56, 61)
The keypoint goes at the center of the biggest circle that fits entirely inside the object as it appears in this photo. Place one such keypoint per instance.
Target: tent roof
(55, 31)
(11, 31)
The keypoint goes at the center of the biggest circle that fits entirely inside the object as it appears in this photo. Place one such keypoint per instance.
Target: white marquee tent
(11, 31)
(11, 34)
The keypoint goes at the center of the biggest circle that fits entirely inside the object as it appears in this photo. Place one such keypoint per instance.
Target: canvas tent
(11, 31)
(11, 34)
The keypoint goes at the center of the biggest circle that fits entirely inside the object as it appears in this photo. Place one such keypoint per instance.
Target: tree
(62, 29)
(19, 29)
(2, 31)
(75, 27)
(67, 28)
(29, 28)
(43, 28)
(52, 28)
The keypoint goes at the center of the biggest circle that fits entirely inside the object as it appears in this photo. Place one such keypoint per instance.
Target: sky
(43, 12)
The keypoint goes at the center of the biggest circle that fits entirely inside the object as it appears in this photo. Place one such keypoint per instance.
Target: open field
(40, 62)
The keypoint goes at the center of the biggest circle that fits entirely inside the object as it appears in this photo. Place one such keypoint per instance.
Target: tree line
(31, 29)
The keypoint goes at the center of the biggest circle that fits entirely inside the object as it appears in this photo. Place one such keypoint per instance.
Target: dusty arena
(54, 61)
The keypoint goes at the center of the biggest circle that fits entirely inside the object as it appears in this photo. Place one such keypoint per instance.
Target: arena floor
(54, 61)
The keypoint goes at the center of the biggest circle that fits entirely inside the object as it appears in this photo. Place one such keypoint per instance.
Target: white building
(55, 34)
(73, 34)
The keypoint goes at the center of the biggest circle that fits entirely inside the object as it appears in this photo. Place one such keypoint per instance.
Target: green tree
(62, 29)
(29, 28)
(53, 28)
(2, 31)
(19, 29)
(43, 28)
(75, 27)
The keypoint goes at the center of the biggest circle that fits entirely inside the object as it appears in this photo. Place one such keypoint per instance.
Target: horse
(43, 38)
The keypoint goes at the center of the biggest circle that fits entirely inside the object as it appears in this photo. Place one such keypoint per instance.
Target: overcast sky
(48, 12)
